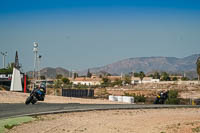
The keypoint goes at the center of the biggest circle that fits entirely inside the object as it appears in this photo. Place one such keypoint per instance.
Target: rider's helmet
(43, 87)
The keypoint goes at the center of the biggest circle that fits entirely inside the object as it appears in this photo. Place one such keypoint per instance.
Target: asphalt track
(20, 109)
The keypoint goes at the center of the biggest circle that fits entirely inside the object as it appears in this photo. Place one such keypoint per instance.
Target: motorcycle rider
(37, 94)
(161, 98)
(42, 91)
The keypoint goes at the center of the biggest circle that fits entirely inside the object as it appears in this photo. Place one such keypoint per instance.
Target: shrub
(184, 79)
(172, 101)
(10, 126)
(137, 98)
(173, 94)
(102, 93)
(197, 129)
(172, 97)
(174, 79)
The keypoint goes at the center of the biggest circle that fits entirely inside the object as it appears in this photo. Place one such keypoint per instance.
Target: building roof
(87, 79)
(144, 79)
(112, 78)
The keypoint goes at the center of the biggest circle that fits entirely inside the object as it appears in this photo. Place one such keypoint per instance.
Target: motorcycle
(35, 95)
(161, 98)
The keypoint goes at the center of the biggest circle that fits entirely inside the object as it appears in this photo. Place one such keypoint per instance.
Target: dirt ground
(151, 90)
(121, 121)
(118, 121)
(16, 97)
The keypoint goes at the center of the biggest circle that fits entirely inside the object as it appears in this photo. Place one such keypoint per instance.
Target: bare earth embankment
(118, 121)
(151, 90)
(16, 97)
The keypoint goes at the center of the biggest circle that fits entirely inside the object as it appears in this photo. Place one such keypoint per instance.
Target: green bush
(137, 98)
(172, 101)
(172, 97)
(174, 79)
(184, 79)
(10, 126)
(173, 94)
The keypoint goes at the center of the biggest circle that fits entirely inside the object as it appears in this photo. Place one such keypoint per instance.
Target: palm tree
(198, 68)
(141, 75)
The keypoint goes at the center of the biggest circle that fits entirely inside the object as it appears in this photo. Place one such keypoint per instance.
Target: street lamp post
(39, 60)
(35, 51)
(4, 54)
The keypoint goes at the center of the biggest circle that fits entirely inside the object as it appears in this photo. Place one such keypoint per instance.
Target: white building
(136, 80)
(86, 81)
(47, 82)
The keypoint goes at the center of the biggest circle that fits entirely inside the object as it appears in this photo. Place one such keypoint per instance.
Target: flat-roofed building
(136, 80)
(47, 82)
(86, 81)
(114, 78)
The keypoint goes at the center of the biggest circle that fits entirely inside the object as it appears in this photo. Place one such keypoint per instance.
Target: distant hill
(150, 64)
(49, 72)
(145, 64)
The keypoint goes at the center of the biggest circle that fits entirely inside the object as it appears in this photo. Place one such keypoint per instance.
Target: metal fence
(78, 92)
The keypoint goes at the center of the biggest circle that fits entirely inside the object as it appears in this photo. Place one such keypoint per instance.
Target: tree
(42, 77)
(151, 75)
(59, 76)
(136, 74)
(106, 82)
(184, 79)
(156, 75)
(198, 68)
(100, 76)
(89, 75)
(141, 75)
(65, 80)
(75, 75)
(7, 70)
(117, 82)
(127, 79)
(165, 76)
(108, 74)
(174, 79)
(28, 81)
(57, 85)
(10, 66)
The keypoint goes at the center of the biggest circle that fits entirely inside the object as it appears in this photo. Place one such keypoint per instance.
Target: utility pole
(72, 79)
(198, 69)
(39, 60)
(4, 54)
(35, 51)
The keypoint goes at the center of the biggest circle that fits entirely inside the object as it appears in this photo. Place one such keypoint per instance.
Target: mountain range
(150, 64)
(145, 64)
(51, 73)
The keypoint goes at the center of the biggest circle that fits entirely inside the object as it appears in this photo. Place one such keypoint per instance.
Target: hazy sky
(77, 34)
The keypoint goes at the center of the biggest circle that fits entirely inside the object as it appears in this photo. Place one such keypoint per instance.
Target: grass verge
(11, 122)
